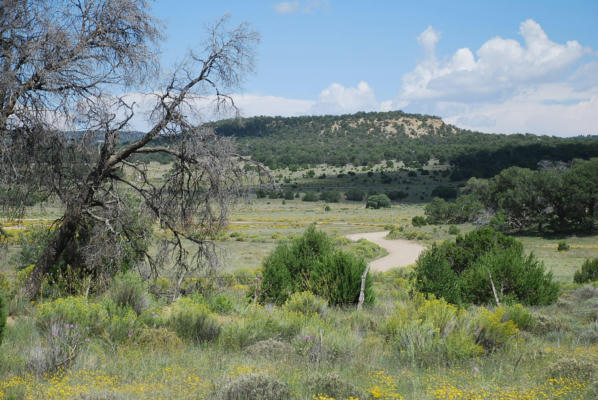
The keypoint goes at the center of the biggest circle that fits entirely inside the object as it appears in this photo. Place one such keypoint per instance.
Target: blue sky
(503, 66)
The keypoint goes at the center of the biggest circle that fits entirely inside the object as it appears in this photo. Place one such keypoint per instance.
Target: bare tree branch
(59, 60)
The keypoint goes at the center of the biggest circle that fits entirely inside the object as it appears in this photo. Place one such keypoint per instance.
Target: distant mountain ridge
(390, 123)
(370, 137)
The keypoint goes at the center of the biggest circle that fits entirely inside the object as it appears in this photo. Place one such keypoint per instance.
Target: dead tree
(60, 127)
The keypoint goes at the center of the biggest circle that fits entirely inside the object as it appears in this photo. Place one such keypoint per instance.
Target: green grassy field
(337, 353)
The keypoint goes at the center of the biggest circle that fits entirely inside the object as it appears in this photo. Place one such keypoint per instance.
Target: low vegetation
(311, 263)
(588, 272)
(484, 267)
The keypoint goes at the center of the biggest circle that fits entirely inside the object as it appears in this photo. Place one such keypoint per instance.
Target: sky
(491, 66)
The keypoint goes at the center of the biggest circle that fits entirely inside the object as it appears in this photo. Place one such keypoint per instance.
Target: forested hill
(364, 138)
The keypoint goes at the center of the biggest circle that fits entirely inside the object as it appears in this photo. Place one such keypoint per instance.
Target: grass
(361, 356)
(343, 341)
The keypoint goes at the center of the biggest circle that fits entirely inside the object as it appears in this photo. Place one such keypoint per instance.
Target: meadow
(397, 348)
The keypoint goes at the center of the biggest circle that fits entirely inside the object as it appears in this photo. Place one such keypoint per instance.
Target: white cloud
(287, 7)
(428, 39)
(507, 86)
(337, 99)
(501, 68)
(303, 7)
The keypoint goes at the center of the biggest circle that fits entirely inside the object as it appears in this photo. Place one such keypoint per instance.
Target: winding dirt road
(400, 252)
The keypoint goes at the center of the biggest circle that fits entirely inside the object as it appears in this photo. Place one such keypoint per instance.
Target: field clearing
(256, 225)
(161, 366)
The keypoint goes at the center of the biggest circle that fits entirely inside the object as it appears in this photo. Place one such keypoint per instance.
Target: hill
(366, 138)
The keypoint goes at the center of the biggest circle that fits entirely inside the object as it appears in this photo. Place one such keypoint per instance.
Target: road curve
(400, 252)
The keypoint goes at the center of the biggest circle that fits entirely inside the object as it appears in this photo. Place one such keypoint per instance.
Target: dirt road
(400, 252)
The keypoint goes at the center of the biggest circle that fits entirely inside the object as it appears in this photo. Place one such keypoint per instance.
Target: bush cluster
(418, 220)
(464, 271)
(255, 386)
(428, 331)
(310, 262)
(377, 201)
(331, 196)
(256, 324)
(355, 195)
(310, 196)
(306, 303)
(563, 246)
(333, 386)
(192, 321)
(465, 209)
(588, 272)
(395, 195)
(129, 290)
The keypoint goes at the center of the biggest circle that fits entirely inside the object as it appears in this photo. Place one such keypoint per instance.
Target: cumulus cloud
(534, 85)
(507, 85)
(287, 7)
(501, 67)
(303, 7)
(337, 99)
(428, 39)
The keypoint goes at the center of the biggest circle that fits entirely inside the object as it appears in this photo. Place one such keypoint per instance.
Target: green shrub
(332, 196)
(254, 387)
(521, 316)
(445, 192)
(310, 196)
(311, 263)
(563, 246)
(122, 324)
(492, 331)
(221, 304)
(355, 195)
(4, 285)
(289, 195)
(257, 324)
(395, 195)
(588, 272)
(306, 303)
(418, 220)
(75, 311)
(333, 386)
(159, 339)
(428, 331)
(460, 271)
(465, 209)
(377, 201)
(3, 315)
(499, 222)
(153, 318)
(129, 290)
(193, 322)
(453, 230)
(160, 287)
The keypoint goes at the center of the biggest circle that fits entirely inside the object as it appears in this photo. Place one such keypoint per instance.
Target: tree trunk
(52, 252)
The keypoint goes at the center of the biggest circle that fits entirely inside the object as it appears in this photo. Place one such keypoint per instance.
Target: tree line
(559, 199)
